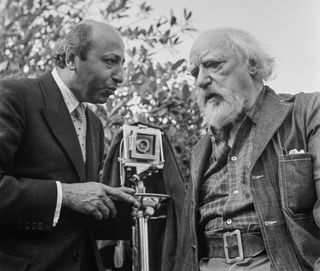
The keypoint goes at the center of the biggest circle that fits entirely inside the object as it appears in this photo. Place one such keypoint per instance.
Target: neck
(256, 90)
(65, 76)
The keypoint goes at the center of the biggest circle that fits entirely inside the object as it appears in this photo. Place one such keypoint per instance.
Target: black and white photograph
(144, 135)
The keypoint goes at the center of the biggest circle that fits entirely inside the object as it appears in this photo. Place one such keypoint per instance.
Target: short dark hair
(78, 40)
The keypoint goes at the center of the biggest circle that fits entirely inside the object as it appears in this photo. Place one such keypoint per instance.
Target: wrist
(65, 194)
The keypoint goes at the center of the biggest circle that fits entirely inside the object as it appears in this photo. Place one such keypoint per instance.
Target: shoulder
(17, 87)
(301, 102)
(17, 83)
(312, 99)
(305, 108)
(305, 103)
(301, 98)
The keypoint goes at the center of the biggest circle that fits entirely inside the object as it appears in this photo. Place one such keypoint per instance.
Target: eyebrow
(218, 56)
(117, 57)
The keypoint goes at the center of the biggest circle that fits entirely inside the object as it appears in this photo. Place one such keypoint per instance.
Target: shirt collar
(69, 98)
(221, 135)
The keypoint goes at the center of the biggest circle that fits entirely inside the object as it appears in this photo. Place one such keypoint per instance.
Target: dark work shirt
(225, 195)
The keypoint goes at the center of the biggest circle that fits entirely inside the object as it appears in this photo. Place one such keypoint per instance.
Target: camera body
(141, 150)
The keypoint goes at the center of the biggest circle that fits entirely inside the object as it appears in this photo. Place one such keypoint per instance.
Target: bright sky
(290, 30)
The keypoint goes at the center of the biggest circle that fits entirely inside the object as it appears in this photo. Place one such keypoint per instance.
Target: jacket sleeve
(26, 204)
(313, 132)
(313, 135)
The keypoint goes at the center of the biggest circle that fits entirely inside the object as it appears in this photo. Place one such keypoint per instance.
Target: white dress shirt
(72, 103)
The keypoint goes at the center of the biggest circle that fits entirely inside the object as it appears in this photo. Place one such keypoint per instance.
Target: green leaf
(173, 20)
(116, 108)
(189, 15)
(176, 41)
(29, 4)
(185, 92)
(3, 65)
(163, 111)
(177, 64)
(135, 77)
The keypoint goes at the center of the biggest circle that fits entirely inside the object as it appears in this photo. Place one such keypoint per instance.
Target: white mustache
(218, 95)
(224, 108)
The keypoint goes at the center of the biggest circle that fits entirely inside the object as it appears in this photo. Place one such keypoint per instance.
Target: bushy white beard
(222, 111)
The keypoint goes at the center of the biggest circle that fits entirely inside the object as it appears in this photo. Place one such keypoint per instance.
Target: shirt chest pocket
(296, 184)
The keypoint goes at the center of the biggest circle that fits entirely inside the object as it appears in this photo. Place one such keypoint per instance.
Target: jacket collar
(271, 115)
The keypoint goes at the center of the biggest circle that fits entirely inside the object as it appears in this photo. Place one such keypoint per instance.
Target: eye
(212, 64)
(110, 62)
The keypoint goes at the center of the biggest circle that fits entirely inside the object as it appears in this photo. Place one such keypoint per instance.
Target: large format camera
(141, 150)
(141, 155)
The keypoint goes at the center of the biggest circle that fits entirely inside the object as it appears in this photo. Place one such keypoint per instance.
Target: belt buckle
(226, 235)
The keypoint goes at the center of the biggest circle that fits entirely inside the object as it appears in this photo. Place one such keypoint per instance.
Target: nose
(204, 79)
(117, 75)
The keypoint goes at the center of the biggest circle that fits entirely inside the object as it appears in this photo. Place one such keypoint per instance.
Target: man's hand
(95, 199)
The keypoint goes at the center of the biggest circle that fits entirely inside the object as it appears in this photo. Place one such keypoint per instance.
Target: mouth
(212, 98)
(110, 90)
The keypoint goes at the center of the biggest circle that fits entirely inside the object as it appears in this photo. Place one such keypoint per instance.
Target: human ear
(70, 59)
(252, 66)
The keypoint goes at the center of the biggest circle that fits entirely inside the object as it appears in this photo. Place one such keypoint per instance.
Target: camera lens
(143, 145)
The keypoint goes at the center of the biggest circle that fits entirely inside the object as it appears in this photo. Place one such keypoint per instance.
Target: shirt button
(76, 257)
(235, 192)
(40, 226)
(233, 158)
(229, 221)
(213, 138)
(27, 225)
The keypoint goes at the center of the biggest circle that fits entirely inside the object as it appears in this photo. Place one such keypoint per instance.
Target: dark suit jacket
(38, 145)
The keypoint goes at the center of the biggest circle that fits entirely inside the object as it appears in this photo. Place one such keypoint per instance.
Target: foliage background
(153, 92)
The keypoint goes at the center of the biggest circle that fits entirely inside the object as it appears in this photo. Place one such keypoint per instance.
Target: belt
(234, 246)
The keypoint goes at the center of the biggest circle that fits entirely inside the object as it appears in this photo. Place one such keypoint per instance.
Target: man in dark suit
(51, 147)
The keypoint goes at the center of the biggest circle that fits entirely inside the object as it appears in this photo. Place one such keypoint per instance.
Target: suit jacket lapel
(92, 147)
(58, 118)
(273, 112)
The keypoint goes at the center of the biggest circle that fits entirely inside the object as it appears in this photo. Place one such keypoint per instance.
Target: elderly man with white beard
(252, 198)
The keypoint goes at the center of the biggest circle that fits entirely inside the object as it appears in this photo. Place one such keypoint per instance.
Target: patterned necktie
(80, 125)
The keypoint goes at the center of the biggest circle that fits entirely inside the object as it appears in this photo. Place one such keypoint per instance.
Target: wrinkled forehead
(209, 44)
